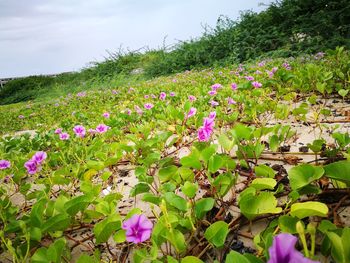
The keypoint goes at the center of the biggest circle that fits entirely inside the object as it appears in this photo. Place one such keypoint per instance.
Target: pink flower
(172, 94)
(205, 131)
(286, 66)
(64, 136)
(146, 96)
(192, 98)
(81, 94)
(4, 164)
(102, 128)
(192, 112)
(250, 78)
(212, 92)
(233, 86)
(31, 167)
(128, 111)
(21, 116)
(162, 96)
(138, 228)
(258, 72)
(261, 64)
(174, 80)
(79, 130)
(106, 115)
(231, 101)
(58, 131)
(214, 103)
(114, 92)
(216, 86)
(39, 157)
(256, 84)
(148, 106)
(274, 69)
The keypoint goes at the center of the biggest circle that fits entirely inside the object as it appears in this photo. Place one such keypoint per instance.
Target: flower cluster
(34, 164)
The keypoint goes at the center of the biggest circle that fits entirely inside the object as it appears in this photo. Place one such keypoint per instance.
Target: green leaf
(139, 189)
(202, 206)
(337, 247)
(345, 238)
(263, 170)
(56, 223)
(120, 236)
(191, 161)
(176, 201)
(86, 259)
(339, 171)
(215, 163)
(216, 233)
(191, 259)
(189, 189)
(311, 208)
(77, 204)
(303, 175)
(343, 92)
(254, 205)
(55, 251)
(104, 229)
(165, 174)
(223, 183)
(235, 257)
(288, 224)
(225, 142)
(177, 239)
(263, 183)
(40, 256)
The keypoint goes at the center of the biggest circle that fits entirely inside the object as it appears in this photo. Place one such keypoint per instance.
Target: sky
(53, 36)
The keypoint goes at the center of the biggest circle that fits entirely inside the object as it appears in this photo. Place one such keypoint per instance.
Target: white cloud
(39, 37)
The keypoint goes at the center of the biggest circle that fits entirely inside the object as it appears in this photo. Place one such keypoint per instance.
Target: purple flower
(261, 64)
(114, 92)
(4, 164)
(58, 131)
(212, 92)
(205, 131)
(172, 94)
(231, 101)
(216, 86)
(162, 96)
(102, 128)
(258, 72)
(233, 86)
(192, 98)
(257, 84)
(148, 106)
(286, 66)
(81, 94)
(174, 80)
(31, 167)
(214, 103)
(283, 250)
(79, 130)
(128, 111)
(153, 96)
(146, 96)
(106, 115)
(39, 157)
(250, 78)
(192, 112)
(21, 116)
(138, 228)
(64, 136)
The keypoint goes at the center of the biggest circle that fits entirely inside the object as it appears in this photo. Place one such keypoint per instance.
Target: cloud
(40, 37)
